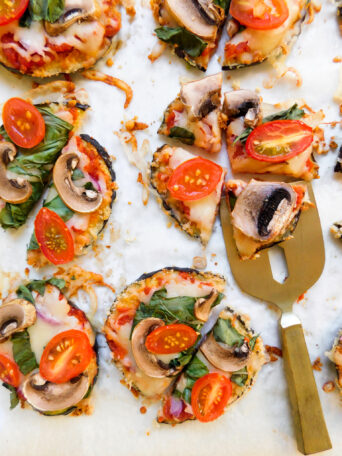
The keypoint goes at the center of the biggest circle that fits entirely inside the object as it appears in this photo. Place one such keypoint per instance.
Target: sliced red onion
(176, 406)
(95, 183)
(45, 316)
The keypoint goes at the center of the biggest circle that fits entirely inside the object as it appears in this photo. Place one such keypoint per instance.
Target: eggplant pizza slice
(259, 30)
(48, 356)
(263, 138)
(191, 27)
(190, 189)
(77, 206)
(62, 37)
(31, 140)
(194, 116)
(264, 213)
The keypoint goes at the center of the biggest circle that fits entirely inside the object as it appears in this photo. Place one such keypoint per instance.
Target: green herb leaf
(14, 399)
(43, 10)
(89, 186)
(187, 395)
(196, 369)
(184, 135)
(232, 200)
(186, 41)
(252, 342)
(181, 360)
(24, 293)
(293, 113)
(225, 333)
(56, 205)
(53, 10)
(240, 377)
(222, 3)
(33, 244)
(22, 352)
(77, 174)
(59, 283)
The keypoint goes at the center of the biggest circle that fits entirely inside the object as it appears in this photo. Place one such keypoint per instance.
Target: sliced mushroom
(203, 306)
(147, 361)
(264, 209)
(243, 103)
(210, 11)
(13, 191)
(188, 15)
(228, 359)
(52, 397)
(202, 96)
(77, 199)
(74, 11)
(15, 316)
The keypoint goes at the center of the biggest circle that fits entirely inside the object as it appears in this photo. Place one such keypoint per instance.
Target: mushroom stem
(203, 306)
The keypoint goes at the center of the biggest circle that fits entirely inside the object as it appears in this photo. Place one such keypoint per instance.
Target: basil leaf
(14, 399)
(240, 377)
(252, 342)
(39, 285)
(182, 360)
(196, 369)
(293, 113)
(89, 186)
(187, 395)
(224, 332)
(22, 352)
(33, 245)
(59, 283)
(53, 10)
(57, 206)
(232, 200)
(184, 135)
(24, 293)
(186, 41)
(222, 3)
(43, 10)
(77, 174)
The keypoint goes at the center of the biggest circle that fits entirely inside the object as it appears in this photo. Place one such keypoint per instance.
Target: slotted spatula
(305, 261)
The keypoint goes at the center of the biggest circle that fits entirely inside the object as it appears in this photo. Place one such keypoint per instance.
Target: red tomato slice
(23, 123)
(210, 395)
(66, 356)
(10, 10)
(9, 371)
(279, 140)
(54, 237)
(171, 339)
(259, 14)
(194, 179)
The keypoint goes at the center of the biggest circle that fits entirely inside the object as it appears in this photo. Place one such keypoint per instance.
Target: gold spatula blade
(305, 259)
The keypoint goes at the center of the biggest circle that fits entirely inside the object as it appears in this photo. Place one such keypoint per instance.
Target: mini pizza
(263, 138)
(335, 355)
(260, 30)
(62, 38)
(336, 230)
(220, 373)
(47, 350)
(31, 139)
(190, 188)
(77, 206)
(154, 326)
(193, 117)
(191, 27)
(263, 213)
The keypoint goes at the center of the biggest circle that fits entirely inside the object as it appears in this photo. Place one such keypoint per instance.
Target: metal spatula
(305, 261)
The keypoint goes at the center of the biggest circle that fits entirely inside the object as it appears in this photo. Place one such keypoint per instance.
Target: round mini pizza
(172, 337)
(48, 356)
(43, 39)
(77, 206)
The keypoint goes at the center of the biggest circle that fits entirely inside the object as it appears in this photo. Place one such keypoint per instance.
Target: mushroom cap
(264, 209)
(187, 14)
(243, 103)
(210, 11)
(77, 199)
(202, 96)
(15, 316)
(228, 359)
(74, 11)
(147, 361)
(13, 191)
(203, 306)
(45, 396)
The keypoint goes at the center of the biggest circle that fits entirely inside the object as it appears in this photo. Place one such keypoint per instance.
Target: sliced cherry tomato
(54, 237)
(66, 356)
(23, 123)
(194, 179)
(10, 10)
(210, 395)
(259, 14)
(279, 140)
(9, 371)
(171, 339)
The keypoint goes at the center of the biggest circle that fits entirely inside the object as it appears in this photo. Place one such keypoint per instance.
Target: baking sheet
(260, 424)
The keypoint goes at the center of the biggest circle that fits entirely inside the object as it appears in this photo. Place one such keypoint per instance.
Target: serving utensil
(305, 260)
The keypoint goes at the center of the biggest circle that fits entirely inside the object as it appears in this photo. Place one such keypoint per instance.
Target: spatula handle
(311, 431)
